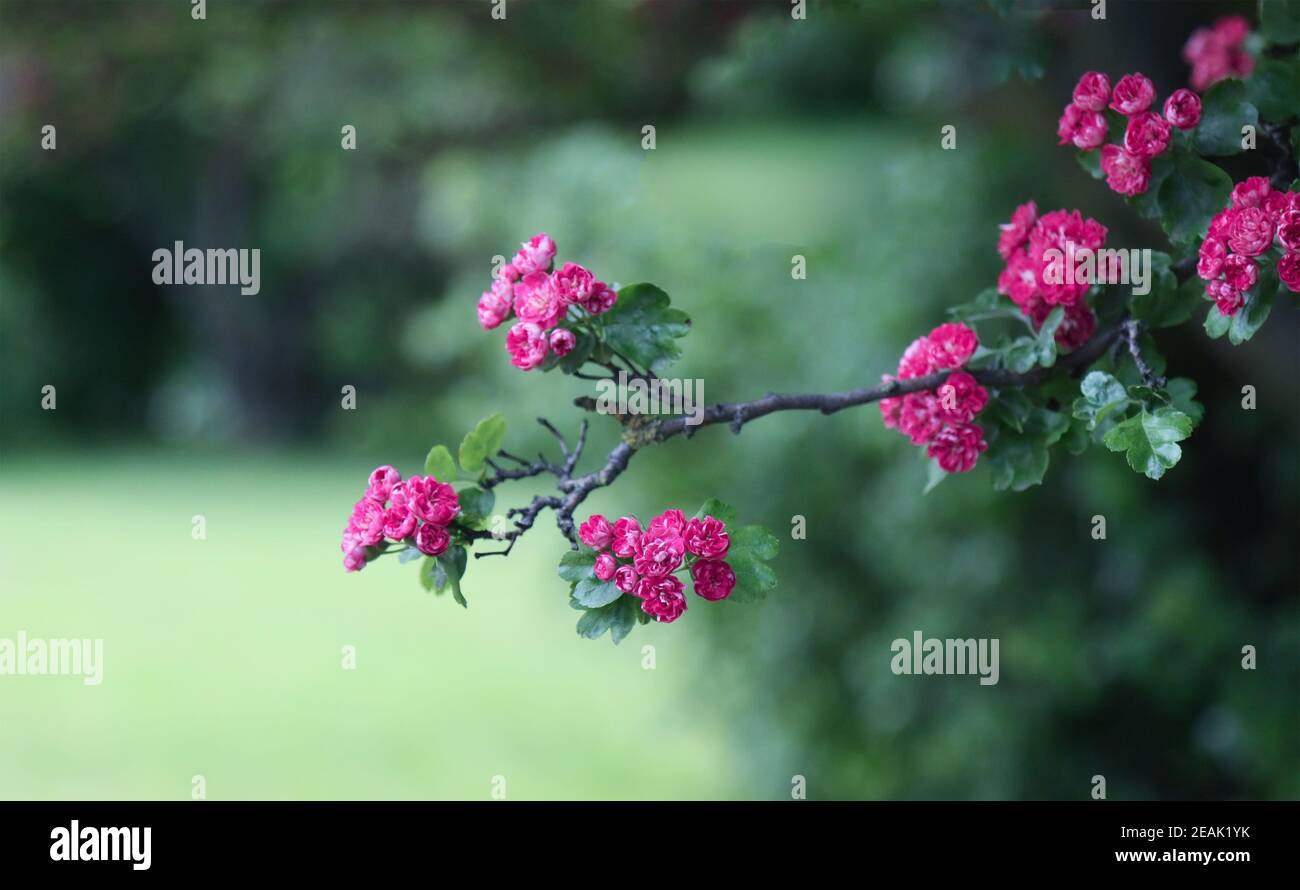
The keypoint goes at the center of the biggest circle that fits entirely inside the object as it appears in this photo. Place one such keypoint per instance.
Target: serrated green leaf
(1149, 440)
(439, 464)
(1047, 337)
(1274, 88)
(1181, 392)
(1279, 20)
(754, 578)
(1090, 161)
(644, 326)
(482, 442)
(1216, 323)
(718, 510)
(1021, 355)
(577, 564)
(1011, 407)
(475, 506)
(1191, 196)
(1166, 303)
(453, 563)
(755, 541)
(408, 554)
(934, 475)
(1252, 315)
(582, 350)
(432, 577)
(1016, 461)
(1100, 394)
(592, 593)
(618, 618)
(1225, 109)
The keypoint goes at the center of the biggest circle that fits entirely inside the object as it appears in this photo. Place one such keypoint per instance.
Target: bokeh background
(775, 137)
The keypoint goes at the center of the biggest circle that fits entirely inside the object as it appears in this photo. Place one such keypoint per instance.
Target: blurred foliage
(819, 138)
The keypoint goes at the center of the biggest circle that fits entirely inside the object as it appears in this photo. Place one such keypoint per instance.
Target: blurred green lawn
(222, 657)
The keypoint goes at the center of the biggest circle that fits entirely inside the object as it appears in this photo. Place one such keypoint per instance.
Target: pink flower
(527, 345)
(1014, 234)
(605, 565)
(573, 283)
(432, 540)
(596, 532)
(399, 523)
(916, 361)
(1019, 280)
(1076, 328)
(1218, 52)
(960, 398)
(1288, 229)
(662, 599)
(626, 537)
(1221, 224)
(1240, 272)
(658, 556)
(1225, 296)
(920, 418)
(1092, 91)
(1147, 134)
(950, 345)
(1126, 173)
(354, 559)
(1132, 94)
(626, 578)
(1063, 233)
(1209, 263)
(509, 273)
(1288, 270)
(1085, 129)
(367, 522)
(382, 480)
(431, 500)
(1183, 109)
(1251, 192)
(957, 447)
(670, 523)
(537, 301)
(1251, 232)
(713, 578)
(707, 538)
(535, 254)
(492, 309)
(563, 341)
(601, 299)
(891, 407)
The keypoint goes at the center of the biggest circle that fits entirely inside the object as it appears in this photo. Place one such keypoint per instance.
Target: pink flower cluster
(1030, 244)
(644, 563)
(1127, 164)
(941, 419)
(417, 511)
(541, 297)
(1254, 221)
(1219, 52)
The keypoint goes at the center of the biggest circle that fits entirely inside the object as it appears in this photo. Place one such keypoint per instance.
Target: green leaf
(581, 352)
(1101, 394)
(1076, 439)
(1147, 204)
(1149, 439)
(1251, 316)
(408, 554)
(1021, 355)
(1216, 323)
(1225, 109)
(1190, 198)
(1274, 88)
(751, 546)
(618, 618)
(1011, 408)
(439, 464)
(453, 563)
(575, 565)
(718, 510)
(592, 593)
(1016, 461)
(1279, 20)
(1090, 161)
(1166, 303)
(934, 475)
(432, 577)
(475, 506)
(1181, 391)
(1047, 337)
(482, 442)
(644, 327)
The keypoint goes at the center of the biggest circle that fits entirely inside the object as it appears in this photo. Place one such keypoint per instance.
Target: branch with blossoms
(1061, 352)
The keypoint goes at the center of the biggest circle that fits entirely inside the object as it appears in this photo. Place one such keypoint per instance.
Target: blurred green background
(775, 137)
